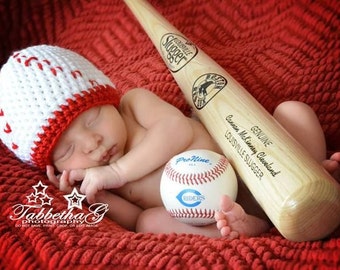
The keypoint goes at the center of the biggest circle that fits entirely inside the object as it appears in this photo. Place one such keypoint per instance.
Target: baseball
(192, 184)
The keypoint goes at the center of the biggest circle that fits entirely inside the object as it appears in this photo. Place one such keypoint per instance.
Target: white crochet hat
(42, 89)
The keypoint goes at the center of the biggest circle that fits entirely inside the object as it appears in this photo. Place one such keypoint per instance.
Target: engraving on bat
(246, 146)
(206, 87)
(177, 51)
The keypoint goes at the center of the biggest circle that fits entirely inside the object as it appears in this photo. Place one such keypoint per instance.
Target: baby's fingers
(64, 184)
(51, 176)
(76, 175)
(89, 190)
(90, 198)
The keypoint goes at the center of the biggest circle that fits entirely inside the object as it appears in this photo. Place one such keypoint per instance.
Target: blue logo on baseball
(190, 197)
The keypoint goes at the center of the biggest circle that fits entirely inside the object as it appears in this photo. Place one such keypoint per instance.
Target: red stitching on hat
(28, 61)
(16, 56)
(1, 112)
(76, 73)
(54, 70)
(40, 66)
(8, 128)
(93, 82)
(14, 146)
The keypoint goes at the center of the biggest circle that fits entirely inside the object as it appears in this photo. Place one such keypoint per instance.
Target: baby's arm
(167, 132)
(120, 210)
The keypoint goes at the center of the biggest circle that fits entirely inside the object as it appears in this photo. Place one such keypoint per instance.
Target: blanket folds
(278, 50)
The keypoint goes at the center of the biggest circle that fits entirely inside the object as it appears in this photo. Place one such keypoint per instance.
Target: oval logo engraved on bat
(190, 197)
(177, 51)
(206, 87)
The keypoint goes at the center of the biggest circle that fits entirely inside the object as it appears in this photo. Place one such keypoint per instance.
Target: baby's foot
(232, 221)
(332, 165)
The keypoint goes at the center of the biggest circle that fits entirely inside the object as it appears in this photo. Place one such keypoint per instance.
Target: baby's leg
(232, 221)
(120, 210)
(302, 123)
(158, 220)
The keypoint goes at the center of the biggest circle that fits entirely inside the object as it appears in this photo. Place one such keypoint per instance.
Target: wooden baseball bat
(298, 195)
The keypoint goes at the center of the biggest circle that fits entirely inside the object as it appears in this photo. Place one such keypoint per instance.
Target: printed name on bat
(246, 147)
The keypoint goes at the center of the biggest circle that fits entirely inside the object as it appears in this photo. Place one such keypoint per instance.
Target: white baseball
(192, 184)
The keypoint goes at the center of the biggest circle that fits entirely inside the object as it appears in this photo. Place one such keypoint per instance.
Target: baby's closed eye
(63, 153)
(92, 117)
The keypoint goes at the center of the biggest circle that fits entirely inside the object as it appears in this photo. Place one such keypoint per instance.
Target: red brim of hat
(96, 96)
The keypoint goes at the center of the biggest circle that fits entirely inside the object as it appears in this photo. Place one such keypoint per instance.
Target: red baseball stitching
(192, 213)
(196, 178)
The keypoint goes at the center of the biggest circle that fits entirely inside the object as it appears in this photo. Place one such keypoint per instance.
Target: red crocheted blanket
(278, 50)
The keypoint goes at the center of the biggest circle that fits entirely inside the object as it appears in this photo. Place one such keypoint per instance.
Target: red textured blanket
(278, 50)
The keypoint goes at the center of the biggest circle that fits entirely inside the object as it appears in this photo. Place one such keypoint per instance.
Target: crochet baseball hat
(42, 89)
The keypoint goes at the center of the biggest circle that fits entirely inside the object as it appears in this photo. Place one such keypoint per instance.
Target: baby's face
(95, 138)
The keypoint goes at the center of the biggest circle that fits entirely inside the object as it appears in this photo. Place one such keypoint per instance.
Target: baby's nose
(91, 142)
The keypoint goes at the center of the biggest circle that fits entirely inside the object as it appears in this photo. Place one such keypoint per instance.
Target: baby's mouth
(106, 157)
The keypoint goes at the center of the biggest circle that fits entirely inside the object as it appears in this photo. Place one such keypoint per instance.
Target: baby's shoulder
(135, 93)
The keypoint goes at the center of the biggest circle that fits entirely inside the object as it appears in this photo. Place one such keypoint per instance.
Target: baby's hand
(96, 179)
(61, 181)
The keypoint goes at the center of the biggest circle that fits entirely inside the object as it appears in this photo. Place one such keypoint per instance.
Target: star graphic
(45, 200)
(32, 198)
(40, 188)
(74, 199)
